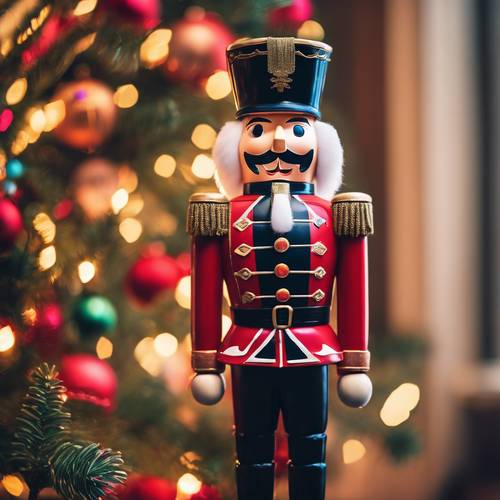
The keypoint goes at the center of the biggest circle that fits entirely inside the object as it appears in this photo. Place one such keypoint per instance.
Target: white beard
(281, 213)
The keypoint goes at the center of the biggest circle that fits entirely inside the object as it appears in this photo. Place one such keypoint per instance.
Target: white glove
(355, 389)
(208, 388)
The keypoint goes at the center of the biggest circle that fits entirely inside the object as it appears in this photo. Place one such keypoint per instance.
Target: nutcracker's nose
(279, 145)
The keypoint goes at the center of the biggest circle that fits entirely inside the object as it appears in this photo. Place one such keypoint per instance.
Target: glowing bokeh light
(7, 338)
(311, 30)
(203, 136)
(165, 345)
(104, 348)
(13, 485)
(47, 258)
(86, 271)
(399, 404)
(45, 227)
(165, 165)
(16, 91)
(84, 7)
(203, 166)
(183, 292)
(189, 484)
(154, 49)
(126, 96)
(119, 200)
(130, 229)
(218, 85)
(353, 450)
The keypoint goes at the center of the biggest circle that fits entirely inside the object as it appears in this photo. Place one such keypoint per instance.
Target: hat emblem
(281, 61)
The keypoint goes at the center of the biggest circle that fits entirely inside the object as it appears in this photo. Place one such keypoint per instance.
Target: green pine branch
(43, 452)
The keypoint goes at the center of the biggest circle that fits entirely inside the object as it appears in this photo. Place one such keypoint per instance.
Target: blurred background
(109, 110)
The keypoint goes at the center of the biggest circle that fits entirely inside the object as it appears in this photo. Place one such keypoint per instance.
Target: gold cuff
(354, 361)
(206, 362)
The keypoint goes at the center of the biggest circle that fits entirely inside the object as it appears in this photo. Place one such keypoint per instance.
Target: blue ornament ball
(9, 187)
(14, 168)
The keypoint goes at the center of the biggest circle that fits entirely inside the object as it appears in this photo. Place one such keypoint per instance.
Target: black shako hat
(278, 74)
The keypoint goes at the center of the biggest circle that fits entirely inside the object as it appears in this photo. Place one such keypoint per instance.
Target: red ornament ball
(207, 493)
(291, 16)
(11, 224)
(152, 274)
(198, 46)
(89, 379)
(147, 488)
(90, 114)
(143, 14)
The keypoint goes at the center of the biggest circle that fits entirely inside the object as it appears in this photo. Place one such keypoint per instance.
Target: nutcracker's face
(278, 146)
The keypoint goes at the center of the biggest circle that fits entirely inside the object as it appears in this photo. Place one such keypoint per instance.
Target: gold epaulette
(353, 214)
(208, 215)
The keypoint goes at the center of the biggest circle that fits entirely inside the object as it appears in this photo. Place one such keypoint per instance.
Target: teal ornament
(94, 315)
(9, 187)
(14, 169)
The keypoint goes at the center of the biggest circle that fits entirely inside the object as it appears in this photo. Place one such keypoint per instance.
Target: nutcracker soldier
(282, 242)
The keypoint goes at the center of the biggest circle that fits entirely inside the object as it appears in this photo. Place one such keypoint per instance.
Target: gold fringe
(208, 218)
(281, 61)
(353, 218)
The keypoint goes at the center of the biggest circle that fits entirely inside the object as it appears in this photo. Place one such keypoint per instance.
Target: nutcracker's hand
(208, 388)
(355, 389)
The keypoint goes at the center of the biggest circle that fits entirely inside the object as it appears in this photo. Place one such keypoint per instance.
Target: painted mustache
(303, 161)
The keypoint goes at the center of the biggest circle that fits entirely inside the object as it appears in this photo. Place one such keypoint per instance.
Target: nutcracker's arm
(353, 222)
(207, 223)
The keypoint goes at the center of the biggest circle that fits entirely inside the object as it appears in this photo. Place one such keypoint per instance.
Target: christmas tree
(109, 111)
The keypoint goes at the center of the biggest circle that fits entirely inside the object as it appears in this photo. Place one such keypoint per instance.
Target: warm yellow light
(218, 85)
(399, 404)
(84, 7)
(84, 43)
(130, 229)
(6, 46)
(37, 120)
(203, 136)
(128, 179)
(86, 271)
(45, 227)
(353, 451)
(20, 143)
(126, 96)
(203, 166)
(189, 484)
(183, 292)
(104, 348)
(16, 91)
(165, 345)
(29, 316)
(147, 357)
(13, 485)
(55, 112)
(7, 338)
(154, 49)
(134, 206)
(32, 135)
(165, 165)
(311, 30)
(119, 200)
(47, 258)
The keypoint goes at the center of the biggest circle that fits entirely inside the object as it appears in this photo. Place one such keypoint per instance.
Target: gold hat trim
(258, 52)
(244, 42)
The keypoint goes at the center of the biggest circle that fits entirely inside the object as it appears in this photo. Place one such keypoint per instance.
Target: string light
(86, 271)
(353, 451)
(203, 136)
(189, 484)
(134, 206)
(45, 227)
(119, 200)
(47, 258)
(203, 166)
(165, 165)
(6, 46)
(16, 91)
(126, 96)
(218, 85)
(37, 120)
(183, 292)
(311, 30)
(130, 229)
(55, 112)
(7, 338)
(399, 404)
(128, 179)
(13, 485)
(104, 348)
(84, 7)
(165, 345)
(146, 356)
(29, 316)
(154, 50)
(20, 143)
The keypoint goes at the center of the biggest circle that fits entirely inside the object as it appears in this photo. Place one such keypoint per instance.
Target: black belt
(282, 316)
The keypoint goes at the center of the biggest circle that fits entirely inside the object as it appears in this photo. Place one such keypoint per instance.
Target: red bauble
(143, 14)
(198, 47)
(89, 379)
(46, 332)
(11, 224)
(207, 493)
(90, 114)
(147, 488)
(152, 274)
(291, 16)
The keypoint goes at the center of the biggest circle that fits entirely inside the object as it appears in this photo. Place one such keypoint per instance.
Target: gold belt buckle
(288, 324)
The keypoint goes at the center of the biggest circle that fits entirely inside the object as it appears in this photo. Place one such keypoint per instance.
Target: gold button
(281, 245)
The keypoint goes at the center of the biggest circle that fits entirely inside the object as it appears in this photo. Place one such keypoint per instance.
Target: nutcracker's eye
(258, 130)
(298, 130)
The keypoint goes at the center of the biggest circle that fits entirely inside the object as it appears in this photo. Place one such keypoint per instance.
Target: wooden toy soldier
(280, 240)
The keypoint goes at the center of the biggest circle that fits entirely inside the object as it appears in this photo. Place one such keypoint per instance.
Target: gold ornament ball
(90, 114)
